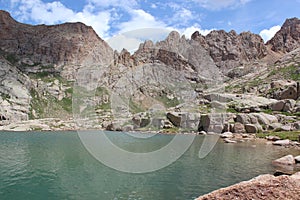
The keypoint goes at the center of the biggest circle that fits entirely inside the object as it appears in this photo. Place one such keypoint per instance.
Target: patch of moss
(231, 110)
(289, 72)
(168, 103)
(291, 135)
(135, 107)
(12, 58)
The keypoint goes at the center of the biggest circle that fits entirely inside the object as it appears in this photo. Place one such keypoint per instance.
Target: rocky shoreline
(262, 187)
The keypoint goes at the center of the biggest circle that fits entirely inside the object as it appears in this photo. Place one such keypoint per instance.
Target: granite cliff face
(230, 50)
(39, 65)
(287, 38)
(57, 48)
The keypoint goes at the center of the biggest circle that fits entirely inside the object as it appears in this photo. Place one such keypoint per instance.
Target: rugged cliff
(54, 71)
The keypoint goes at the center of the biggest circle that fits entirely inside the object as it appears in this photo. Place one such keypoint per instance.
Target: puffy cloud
(140, 19)
(115, 3)
(132, 39)
(55, 12)
(190, 30)
(220, 4)
(267, 34)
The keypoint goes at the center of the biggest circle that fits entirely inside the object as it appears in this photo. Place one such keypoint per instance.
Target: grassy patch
(168, 103)
(135, 107)
(12, 58)
(289, 72)
(291, 135)
(49, 106)
(231, 110)
(5, 96)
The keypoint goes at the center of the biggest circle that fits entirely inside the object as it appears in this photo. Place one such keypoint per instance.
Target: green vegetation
(5, 96)
(168, 103)
(11, 58)
(135, 107)
(289, 72)
(48, 106)
(291, 135)
(231, 110)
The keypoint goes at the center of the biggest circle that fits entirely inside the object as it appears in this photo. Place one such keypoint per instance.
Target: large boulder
(277, 106)
(286, 160)
(243, 118)
(262, 187)
(251, 128)
(175, 118)
(297, 159)
(239, 128)
(212, 122)
(282, 142)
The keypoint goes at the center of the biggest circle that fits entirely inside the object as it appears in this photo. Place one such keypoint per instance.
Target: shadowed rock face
(60, 45)
(287, 38)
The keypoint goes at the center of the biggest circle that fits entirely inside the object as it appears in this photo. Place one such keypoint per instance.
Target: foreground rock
(286, 160)
(262, 187)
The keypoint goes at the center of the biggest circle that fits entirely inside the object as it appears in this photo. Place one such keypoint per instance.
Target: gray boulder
(272, 138)
(251, 128)
(282, 142)
(175, 118)
(239, 128)
(277, 106)
(227, 140)
(286, 160)
(226, 135)
(297, 159)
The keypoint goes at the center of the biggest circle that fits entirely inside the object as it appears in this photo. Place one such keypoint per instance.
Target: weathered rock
(297, 159)
(251, 128)
(226, 135)
(239, 128)
(228, 50)
(284, 89)
(275, 126)
(243, 118)
(296, 125)
(272, 138)
(277, 106)
(282, 142)
(128, 128)
(65, 45)
(227, 140)
(261, 187)
(175, 118)
(286, 160)
(289, 105)
(287, 38)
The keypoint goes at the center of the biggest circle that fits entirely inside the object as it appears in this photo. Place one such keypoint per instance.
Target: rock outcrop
(231, 50)
(15, 96)
(62, 47)
(287, 38)
(262, 187)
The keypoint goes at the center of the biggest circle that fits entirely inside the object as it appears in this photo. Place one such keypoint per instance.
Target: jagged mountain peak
(287, 38)
(63, 46)
(6, 18)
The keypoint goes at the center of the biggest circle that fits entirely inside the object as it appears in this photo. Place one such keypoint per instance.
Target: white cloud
(220, 4)
(190, 30)
(153, 5)
(55, 12)
(140, 19)
(132, 39)
(267, 34)
(116, 3)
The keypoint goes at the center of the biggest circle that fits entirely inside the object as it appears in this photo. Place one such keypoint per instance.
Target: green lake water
(55, 165)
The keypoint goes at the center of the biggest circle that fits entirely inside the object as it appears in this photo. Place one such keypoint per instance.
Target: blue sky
(111, 17)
